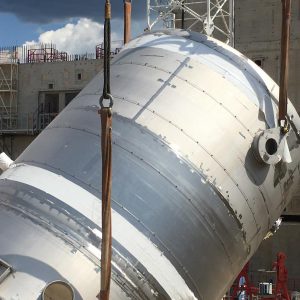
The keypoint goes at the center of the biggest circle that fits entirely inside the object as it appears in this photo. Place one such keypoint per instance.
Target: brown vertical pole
(106, 141)
(182, 15)
(127, 21)
(106, 152)
(285, 39)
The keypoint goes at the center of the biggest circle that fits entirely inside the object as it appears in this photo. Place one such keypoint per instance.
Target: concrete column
(61, 101)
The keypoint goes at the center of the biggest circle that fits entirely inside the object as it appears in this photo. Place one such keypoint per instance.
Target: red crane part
(282, 277)
(246, 286)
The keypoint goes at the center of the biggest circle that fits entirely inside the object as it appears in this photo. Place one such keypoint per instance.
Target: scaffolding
(8, 87)
(116, 46)
(45, 53)
(213, 17)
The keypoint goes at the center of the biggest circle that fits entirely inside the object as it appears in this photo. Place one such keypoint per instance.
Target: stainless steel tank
(190, 201)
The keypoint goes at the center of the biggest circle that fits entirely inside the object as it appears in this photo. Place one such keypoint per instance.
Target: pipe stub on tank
(58, 290)
(268, 146)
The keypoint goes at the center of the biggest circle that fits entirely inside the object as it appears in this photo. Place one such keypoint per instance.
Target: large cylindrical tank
(190, 201)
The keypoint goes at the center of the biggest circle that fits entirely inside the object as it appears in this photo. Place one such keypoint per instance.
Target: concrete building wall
(14, 144)
(44, 89)
(258, 34)
(38, 79)
(286, 240)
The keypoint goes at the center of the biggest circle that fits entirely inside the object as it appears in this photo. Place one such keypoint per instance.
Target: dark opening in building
(51, 104)
(69, 97)
(259, 61)
(78, 76)
(48, 110)
(50, 86)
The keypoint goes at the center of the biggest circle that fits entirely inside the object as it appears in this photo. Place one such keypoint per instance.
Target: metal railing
(25, 123)
(256, 277)
(38, 53)
(44, 119)
(116, 47)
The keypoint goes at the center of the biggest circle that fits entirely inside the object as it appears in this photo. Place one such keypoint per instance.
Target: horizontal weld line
(201, 146)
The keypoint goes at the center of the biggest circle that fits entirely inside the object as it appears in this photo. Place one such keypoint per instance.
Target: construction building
(35, 87)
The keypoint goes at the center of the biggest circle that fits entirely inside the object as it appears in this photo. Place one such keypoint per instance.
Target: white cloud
(81, 37)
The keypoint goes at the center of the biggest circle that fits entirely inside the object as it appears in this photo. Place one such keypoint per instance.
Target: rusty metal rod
(127, 21)
(285, 39)
(182, 15)
(106, 152)
(106, 246)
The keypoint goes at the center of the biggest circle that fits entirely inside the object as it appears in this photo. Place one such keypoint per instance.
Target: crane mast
(213, 17)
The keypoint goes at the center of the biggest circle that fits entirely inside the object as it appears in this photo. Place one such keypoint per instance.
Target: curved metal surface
(190, 202)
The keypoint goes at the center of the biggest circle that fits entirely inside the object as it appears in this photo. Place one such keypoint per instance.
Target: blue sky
(13, 31)
(72, 25)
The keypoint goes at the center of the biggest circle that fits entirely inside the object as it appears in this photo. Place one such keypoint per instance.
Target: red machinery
(279, 291)
(246, 286)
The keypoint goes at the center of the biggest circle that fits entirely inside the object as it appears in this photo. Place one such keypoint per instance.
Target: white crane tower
(212, 17)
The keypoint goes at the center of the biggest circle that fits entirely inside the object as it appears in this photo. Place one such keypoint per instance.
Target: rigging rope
(284, 69)
(106, 152)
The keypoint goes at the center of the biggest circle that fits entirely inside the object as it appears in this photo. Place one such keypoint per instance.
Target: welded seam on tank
(155, 237)
(191, 138)
(157, 170)
(188, 82)
(46, 224)
(157, 241)
(234, 81)
(75, 216)
(250, 173)
(137, 103)
(192, 167)
(185, 196)
(44, 188)
(151, 233)
(122, 281)
(96, 134)
(199, 144)
(236, 59)
(189, 200)
(199, 89)
(262, 200)
(240, 61)
(194, 86)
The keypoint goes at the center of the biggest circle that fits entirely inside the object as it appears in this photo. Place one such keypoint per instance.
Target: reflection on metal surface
(187, 189)
(58, 290)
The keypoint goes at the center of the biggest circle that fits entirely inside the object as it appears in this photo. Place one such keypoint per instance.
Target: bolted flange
(268, 146)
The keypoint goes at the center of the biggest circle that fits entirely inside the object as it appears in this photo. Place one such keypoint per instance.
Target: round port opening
(58, 290)
(271, 146)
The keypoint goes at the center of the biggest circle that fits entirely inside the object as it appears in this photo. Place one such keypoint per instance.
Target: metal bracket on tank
(269, 146)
